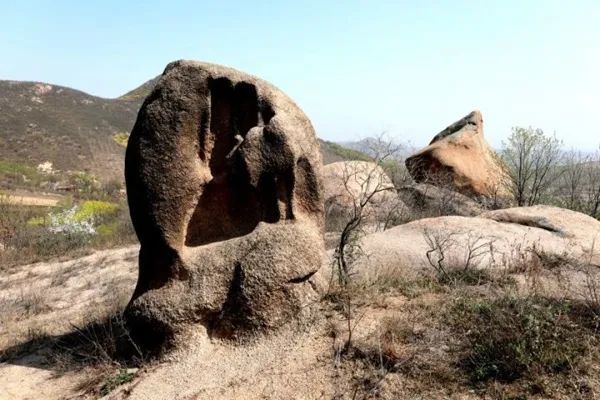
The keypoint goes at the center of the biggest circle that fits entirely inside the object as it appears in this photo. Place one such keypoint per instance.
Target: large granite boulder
(459, 158)
(223, 176)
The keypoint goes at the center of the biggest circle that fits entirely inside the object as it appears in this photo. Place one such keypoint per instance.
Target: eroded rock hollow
(223, 175)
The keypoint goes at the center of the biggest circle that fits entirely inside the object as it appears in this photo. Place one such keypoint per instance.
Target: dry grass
(474, 333)
(102, 353)
(513, 338)
(105, 349)
(499, 349)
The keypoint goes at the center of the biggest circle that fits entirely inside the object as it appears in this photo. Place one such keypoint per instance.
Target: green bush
(122, 377)
(8, 167)
(121, 138)
(84, 182)
(95, 210)
(16, 175)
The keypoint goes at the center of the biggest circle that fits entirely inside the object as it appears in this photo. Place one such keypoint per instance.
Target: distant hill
(74, 130)
(333, 152)
(368, 145)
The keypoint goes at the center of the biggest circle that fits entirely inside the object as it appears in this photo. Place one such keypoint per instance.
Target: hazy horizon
(357, 69)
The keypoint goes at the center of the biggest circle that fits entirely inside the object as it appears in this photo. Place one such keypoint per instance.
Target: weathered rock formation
(516, 235)
(223, 176)
(348, 183)
(459, 157)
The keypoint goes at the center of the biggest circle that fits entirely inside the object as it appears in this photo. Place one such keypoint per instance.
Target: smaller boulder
(459, 157)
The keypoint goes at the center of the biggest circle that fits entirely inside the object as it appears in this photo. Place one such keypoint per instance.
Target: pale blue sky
(356, 68)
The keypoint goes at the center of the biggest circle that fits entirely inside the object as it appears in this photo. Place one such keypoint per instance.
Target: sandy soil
(297, 361)
(50, 298)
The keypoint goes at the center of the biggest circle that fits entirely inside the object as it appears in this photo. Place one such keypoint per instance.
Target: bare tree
(477, 247)
(395, 168)
(445, 248)
(362, 184)
(579, 183)
(439, 242)
(531, 160)
(572, 179)
(592, 187)
(392, 214)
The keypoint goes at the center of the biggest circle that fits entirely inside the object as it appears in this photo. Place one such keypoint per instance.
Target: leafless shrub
(384, 351)
(591, 284)
(572, 180)
(455, 257)
(439, 244)
(105, 348)
(592, 292)
(396, 169)
(32, 302)
(592, 190)
(429, 201)
(106, 341)
(578, 188)
(361, 183)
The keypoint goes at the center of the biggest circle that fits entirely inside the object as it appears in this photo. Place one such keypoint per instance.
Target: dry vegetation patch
(419, 336)
(72, 229)
(511, 338)
(529, 330)
(472, 333)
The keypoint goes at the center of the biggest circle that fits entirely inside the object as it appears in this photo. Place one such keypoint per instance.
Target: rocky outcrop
(223, 176)
(505, 238)
(347, 184)
(459, 158)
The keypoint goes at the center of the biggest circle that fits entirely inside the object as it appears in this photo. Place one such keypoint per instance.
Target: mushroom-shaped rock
(223, 176)
(459, 157)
